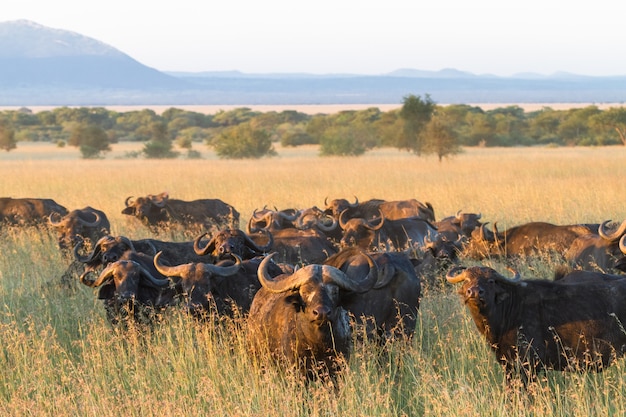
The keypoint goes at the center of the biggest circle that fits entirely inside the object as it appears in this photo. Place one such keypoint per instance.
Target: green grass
(58, 355)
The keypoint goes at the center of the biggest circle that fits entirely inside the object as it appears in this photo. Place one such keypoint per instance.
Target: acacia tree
(416, 112)
(440, 137)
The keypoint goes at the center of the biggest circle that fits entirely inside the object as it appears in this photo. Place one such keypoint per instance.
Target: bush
(242, 141)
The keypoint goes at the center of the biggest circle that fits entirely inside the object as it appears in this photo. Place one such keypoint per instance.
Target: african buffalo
(160, 212)
(28, 211)
(389, 309)
(572, 324)
(392, 210)
(299, 319)
(86, 223)
(529, 239)
(600, 251)
(130, 291)
(271, 220)
(229, 242)
(301, 247)
(384, 233)
(226, 288)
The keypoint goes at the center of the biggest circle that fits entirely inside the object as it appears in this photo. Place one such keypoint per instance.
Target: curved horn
(156, 282)
(356, 202)
(622, 244)
(210, 247)
(127, 201)
(456, 275)
(90, 224)
(52, 219)
(605, 234)
(342, 223)
(325, 228)
(106, 274)
(251, 243)
(170, 271)
(379, 225)
(345, 282)
(127, 242)
(284, 282)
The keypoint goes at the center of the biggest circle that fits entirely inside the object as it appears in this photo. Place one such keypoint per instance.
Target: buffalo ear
(129, 210)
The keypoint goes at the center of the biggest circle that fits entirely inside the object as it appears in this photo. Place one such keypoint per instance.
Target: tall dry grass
(59, 357)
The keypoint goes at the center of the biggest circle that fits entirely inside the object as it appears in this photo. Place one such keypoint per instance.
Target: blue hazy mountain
(44, 66)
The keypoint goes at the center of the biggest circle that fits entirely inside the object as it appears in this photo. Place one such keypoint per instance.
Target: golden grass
(59, 357)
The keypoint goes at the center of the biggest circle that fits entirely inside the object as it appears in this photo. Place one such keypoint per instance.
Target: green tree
(612, 120)
(7, 136)
(343, 141)
(92, 140)
(242, 142)
(574, 127)
(440, 137)
(416, 112)
(160, 145)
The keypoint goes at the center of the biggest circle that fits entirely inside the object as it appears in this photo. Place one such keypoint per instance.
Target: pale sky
(349, 36)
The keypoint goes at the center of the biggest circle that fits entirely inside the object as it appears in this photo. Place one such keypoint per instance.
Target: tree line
(420, 126)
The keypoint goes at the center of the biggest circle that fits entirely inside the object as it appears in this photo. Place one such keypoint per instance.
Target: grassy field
(58, 356)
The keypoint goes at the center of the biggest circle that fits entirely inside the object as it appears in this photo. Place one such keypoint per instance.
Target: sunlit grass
(59, 356)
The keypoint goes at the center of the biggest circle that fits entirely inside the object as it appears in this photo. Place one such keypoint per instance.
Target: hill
(44, 66)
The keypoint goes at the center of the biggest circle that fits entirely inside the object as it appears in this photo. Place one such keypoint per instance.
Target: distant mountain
(32, 56)
(45, 66)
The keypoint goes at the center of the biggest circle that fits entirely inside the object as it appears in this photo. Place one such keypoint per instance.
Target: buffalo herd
(310, 281)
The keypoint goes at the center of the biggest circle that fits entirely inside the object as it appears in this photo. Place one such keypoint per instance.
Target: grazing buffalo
(300, 319)
(389, 309)
(383, 233)
(600, 251)
(86, 223)
(534, 238)
(160, 212)
(130, 291)
(225, 288)
(572, 324)
(392, 210)
(229, 242)
(28, 211)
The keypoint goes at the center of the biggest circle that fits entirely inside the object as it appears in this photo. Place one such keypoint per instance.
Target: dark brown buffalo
(301, 247)
(162, 212)
(315, 218)
(389, 309)
(529, 239)
(392, 210)
(229, 242)
(598, 251)
(129, 291)
(299, 318)
(382, 233)
(459, 226)
(271, 220)
(86, 223)
(225, 288)
(28, 211)
(573, 324)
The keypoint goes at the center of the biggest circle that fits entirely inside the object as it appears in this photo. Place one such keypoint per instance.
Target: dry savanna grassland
(59, 356)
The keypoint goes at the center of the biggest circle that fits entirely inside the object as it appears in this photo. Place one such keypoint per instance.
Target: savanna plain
(60, 357)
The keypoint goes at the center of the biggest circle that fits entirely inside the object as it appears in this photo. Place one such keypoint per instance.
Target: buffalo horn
(605, 234)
